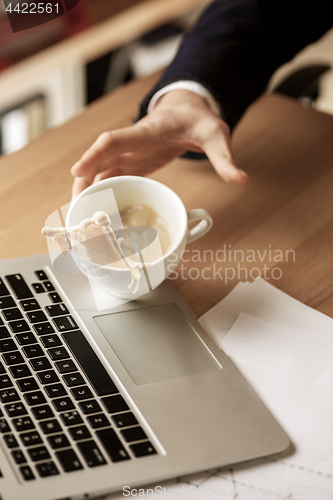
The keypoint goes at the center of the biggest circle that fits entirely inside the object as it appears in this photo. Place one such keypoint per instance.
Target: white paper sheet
(292, 371)
(262, 300)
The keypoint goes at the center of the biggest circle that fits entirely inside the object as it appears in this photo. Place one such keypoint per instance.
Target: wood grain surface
(286, 212)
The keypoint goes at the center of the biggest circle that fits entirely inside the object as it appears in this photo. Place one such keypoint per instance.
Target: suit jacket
(237, 45)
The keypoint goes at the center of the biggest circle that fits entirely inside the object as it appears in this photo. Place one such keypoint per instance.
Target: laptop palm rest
(156, 343)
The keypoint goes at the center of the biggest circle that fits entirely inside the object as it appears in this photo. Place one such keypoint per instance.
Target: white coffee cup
(112, 196)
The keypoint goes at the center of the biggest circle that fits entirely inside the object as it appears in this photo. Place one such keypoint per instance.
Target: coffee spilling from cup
(96, 241)
(148, 226)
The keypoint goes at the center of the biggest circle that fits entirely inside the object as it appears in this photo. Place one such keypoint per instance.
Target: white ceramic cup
(112, 196)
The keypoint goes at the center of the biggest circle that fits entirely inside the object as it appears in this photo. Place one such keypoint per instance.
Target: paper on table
(216, 324)
(292, 371)
(262, 300)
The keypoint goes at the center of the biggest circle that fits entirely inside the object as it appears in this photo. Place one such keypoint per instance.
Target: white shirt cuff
(195, 87)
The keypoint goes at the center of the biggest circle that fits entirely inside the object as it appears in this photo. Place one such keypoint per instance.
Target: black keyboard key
(9, 395)
(38, 287)
(69, 460)
(112, 444)
(30, 438)
(47, 469)
(2, 368)
(20, 371)
(3, 289)
(19, 326)
(91, 453)
(36, 316)
(19, 286)
(23, 424)
(58, 353)
(143, 449)
(27, 473)
(124, 419)
(115, 404)
(74, 379)
(65, 323)
(40, 364)
(41, 275)
(134, 434)
(71, 418)
(1, 321)
(15, 409)
(63, 404)
(29, 305)
(42, 412)
(50, 426)
(18, 456)
(47, 377)
(5, 382)
(55, 297)
(57, 310)
(43, 328)
(66, 366)
(58, 441)
(81, 393)
(11, 314)
(55, 390)
(38, 453)
(33, 351)
(26, 338)
(10, 441)
(4, 333)
(90, 406)
(27, 384)
(7, 302)
(98, 421)
(7, 345)
(35, 398)
(48, 285)
(4, 426)
(79, 432)
(50, 341)
(13, 358)
(90, 363)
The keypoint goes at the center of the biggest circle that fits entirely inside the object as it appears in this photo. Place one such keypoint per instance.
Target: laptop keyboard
(60, 411)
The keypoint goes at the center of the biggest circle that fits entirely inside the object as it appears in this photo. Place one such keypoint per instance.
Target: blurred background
(49, 73)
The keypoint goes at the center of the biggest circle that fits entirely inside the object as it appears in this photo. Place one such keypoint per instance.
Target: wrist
(190, 88)
(180, 98)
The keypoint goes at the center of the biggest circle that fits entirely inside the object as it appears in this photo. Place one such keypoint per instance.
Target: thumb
(219, 152)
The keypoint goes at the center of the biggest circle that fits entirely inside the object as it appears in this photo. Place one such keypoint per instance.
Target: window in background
(22, 123)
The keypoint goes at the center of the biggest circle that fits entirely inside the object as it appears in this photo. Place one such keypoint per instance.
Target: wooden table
(287, 210)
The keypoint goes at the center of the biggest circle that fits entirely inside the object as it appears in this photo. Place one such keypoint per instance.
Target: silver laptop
(95, 400)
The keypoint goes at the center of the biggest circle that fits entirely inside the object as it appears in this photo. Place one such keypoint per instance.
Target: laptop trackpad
(156, 343)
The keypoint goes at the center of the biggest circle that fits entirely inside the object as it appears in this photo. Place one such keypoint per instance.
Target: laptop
(96, 400)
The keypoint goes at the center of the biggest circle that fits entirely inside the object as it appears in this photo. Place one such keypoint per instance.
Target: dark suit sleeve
(237, 45)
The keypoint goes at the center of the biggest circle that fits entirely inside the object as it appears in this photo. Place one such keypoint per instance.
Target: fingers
(111, 172)
(127, 164)
(79, 184)
(219, 152)
(131, 165)
(108, 144)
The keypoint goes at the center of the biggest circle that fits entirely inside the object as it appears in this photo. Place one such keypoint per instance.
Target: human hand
(180, 121)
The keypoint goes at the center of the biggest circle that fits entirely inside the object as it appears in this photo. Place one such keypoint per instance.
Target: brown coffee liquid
(144, 216)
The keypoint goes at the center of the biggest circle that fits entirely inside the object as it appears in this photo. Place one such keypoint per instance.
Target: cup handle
(200, 229)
